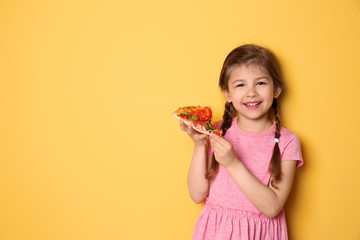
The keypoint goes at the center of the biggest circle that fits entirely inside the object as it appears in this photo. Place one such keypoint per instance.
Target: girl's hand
(223, 150)
(197, 137)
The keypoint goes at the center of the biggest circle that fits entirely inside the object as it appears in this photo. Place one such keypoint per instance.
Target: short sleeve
(292, 150)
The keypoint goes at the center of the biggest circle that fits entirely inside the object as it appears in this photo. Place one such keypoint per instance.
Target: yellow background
(89, 149)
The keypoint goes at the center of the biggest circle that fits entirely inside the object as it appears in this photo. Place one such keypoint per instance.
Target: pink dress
(227, 213)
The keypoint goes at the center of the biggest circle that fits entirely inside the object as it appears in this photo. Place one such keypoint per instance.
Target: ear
(277, 92)
(227, 95)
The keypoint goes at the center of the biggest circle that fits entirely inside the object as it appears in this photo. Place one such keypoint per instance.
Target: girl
(246, 175)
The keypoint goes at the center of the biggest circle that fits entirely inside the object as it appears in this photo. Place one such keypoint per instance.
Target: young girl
(246, 175)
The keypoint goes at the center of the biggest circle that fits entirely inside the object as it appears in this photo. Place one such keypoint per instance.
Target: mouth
(252, 105)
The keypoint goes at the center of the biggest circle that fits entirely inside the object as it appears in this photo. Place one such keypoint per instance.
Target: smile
(252, 105)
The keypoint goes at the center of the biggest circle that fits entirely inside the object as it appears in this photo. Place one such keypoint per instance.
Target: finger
(190, 130)
(196, 133)
(218, 139)
(216, 146)
(183, 126)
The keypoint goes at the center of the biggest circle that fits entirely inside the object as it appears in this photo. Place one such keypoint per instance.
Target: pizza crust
(190, 123)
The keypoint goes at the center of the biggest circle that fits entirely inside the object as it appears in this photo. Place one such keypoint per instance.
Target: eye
(261, 83)
(240, 85)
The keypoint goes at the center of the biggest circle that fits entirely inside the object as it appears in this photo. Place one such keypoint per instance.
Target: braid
(275, 167)
(226, 124)
(227, 117)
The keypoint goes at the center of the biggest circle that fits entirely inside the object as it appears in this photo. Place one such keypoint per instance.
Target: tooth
(252, 104)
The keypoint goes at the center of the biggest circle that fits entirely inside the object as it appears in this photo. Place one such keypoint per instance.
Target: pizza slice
(199, 118)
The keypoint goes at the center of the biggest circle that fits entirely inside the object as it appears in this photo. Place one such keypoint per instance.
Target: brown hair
(251, 54)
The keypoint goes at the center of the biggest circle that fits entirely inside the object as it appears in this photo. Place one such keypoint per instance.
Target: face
(251, 90)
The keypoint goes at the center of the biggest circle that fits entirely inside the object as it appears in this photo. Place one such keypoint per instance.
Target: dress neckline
(272, 129)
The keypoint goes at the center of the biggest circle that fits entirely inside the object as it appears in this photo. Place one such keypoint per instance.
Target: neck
(259, 125)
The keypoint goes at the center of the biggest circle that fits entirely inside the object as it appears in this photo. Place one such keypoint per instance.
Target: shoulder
(218, 124)
(287, 135)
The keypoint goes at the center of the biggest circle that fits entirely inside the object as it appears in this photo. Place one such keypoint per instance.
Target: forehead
(249, 70)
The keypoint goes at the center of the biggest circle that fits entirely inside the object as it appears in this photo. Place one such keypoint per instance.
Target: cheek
(236, 97)
(268, 93)
(229, 95)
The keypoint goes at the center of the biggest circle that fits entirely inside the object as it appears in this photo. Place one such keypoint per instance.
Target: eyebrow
(243, 80)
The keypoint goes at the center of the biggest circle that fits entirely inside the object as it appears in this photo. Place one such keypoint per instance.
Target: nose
(251, 92)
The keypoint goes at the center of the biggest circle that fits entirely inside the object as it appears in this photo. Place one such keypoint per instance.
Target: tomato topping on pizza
(198, 118)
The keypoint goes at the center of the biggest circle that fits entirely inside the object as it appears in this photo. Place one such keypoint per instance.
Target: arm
(198, 185)
(267, 199)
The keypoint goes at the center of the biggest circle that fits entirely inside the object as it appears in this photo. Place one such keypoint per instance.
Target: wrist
(200, 144)
(234, 164)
